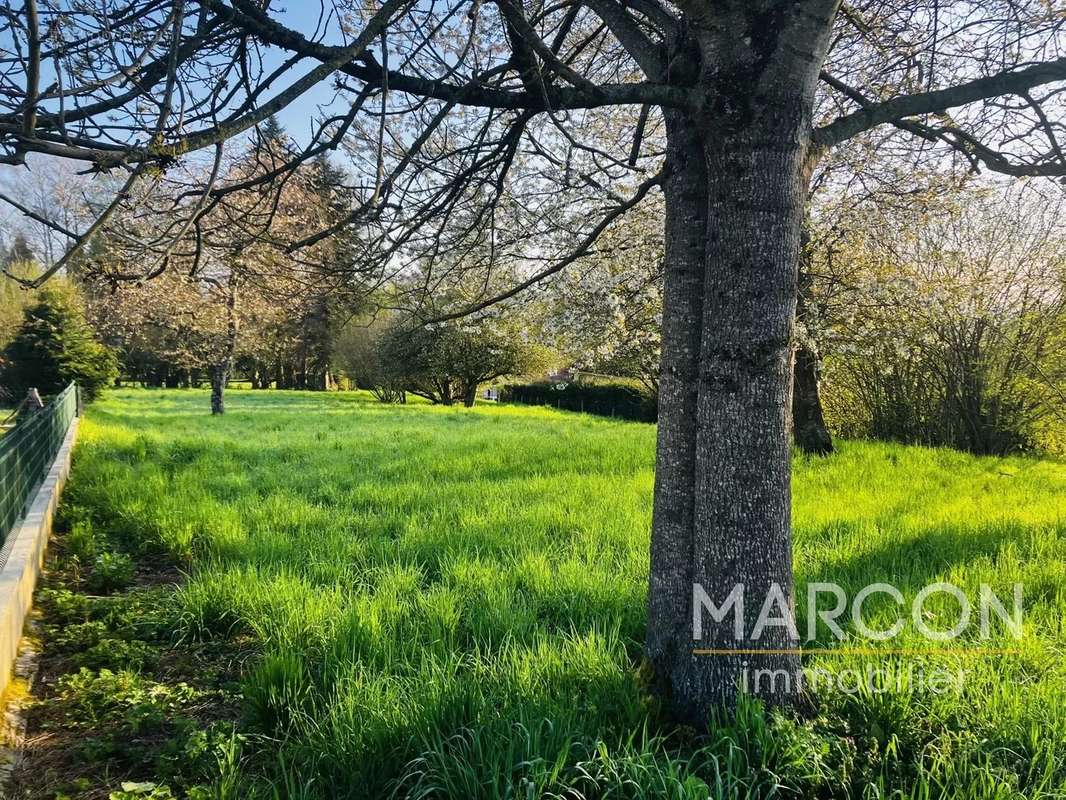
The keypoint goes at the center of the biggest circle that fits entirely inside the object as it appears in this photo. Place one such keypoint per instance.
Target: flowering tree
(191, 308)
(606, 312)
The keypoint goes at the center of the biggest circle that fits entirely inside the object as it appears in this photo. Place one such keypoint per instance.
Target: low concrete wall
(23, 554)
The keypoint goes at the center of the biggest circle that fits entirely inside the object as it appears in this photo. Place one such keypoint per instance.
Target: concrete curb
(23, 554)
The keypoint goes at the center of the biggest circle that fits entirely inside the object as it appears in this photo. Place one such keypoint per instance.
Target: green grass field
(439, 602)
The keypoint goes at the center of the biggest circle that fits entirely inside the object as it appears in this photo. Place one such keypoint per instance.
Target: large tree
(232, 293)
(527, 129)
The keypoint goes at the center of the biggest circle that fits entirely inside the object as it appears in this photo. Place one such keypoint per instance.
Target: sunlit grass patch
(446, 602)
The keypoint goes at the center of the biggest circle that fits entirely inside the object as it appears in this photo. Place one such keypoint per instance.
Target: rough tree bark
(735, 191)
(676, 672)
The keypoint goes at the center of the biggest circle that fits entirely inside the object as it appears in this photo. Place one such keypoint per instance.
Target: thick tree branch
(625, 29)
(33, 67)
(961, 141)
(1003, 83)
(558, 98)
(30, 139)
(339, 56)
(516, 19)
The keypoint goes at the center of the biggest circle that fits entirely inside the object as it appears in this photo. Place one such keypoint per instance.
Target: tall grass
(450, 603)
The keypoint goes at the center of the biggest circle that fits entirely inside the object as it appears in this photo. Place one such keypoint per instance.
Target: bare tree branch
(1003, 83)
(582, 249)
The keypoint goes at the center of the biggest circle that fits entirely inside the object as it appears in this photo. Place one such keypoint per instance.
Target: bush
(54, 346)
(358, 352)
(956, 337)
(621, 400)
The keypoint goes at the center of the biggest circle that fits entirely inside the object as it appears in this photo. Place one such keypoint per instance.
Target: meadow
(377, 601)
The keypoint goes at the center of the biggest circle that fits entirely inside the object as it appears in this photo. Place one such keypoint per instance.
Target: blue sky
(298, 117)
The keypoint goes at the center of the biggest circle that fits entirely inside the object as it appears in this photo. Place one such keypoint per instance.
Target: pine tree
(271, 139)
(54, 346)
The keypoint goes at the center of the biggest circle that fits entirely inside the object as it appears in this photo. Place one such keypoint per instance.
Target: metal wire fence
(27, 452)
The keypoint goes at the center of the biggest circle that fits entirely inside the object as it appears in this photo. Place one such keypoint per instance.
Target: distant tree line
(934, 317)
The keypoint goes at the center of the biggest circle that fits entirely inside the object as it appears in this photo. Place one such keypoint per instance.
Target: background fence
(27, 451)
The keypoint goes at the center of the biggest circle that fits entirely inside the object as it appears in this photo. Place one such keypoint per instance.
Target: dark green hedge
(607, 400)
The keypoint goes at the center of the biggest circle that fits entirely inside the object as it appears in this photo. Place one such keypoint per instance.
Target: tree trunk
(735, 190)
(722, 505)
(809, 430)
(447, 395)
(301, 373)
(470, 395)
(677, 674)
(220, 372)
(219, 377)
